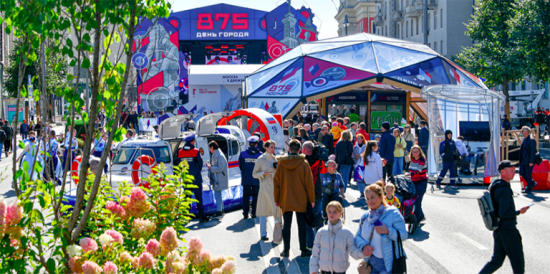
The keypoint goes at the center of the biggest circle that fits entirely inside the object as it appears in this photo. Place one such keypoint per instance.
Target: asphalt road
(453, 239)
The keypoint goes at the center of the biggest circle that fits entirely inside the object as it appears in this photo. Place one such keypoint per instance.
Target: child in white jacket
(333, 245)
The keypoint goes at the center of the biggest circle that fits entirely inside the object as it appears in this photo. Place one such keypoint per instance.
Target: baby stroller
(406, 192)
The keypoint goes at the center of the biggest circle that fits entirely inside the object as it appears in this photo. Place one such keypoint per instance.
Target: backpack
(487, 209)
(8, 132)
(3, 136)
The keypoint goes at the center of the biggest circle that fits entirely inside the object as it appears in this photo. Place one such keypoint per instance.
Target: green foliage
(530, 30)
(494, 55)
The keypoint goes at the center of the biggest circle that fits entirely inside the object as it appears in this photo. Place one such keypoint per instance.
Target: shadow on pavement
(242, 225)
(9, 194)
(419, 235)
(254, 254)
(535, 198)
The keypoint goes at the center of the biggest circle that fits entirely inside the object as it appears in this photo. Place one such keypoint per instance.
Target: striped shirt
(417, 168)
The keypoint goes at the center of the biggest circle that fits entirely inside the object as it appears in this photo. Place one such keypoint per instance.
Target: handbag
(314, 218)
(538, 159)
(399, 264)
(357, 173)
(364, 267)
(278, 230)
(329, 188)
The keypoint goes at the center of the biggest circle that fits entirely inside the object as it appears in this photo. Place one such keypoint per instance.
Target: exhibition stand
(471, 112)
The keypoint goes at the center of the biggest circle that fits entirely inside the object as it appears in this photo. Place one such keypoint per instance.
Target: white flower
(105, 239)
(74, 250)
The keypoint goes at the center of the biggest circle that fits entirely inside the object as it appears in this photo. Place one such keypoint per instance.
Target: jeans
(1, 147)
(526, 172)
(327, 199)
(344, 171)
(378, 265)
(387, 172)
(447, 166)
(421, 187)
(398, 166)
(263, 225)
(287, 225)
(65, 159)
(507, 243)
(247, 192)
(310, 236)
(219, 201)
(24, 136)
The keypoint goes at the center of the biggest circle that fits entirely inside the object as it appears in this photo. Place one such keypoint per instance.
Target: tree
(530, 29)
(494, 54)
(54, 79)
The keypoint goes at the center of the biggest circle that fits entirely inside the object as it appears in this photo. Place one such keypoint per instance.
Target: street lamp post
(1, 90)
(346, 23)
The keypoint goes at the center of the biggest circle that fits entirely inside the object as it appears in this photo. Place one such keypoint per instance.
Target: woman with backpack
(343, 152)
(378, 232)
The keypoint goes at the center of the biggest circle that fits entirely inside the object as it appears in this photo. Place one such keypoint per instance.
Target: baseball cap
(505, 164)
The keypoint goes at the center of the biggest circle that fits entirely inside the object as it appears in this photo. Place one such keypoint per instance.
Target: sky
(324, 10)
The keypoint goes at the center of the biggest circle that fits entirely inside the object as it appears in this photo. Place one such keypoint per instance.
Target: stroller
(406, 191)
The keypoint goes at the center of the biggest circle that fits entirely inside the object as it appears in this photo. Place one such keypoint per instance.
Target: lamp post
(346, 23)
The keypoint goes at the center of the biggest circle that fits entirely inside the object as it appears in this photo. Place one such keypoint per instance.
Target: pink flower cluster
(142, 228)
(88, 244)
(195, 247)
(153, 247)
(146, 260)
(117, 236)
(2, 214)
(175, 263)
(110, 268)
(10, 216)
(168, 240)
(75, 264)
(91, 268)
(117, 210)
(138, 204)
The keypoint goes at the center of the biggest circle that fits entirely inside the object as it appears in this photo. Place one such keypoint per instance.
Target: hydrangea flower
(203, 261)
(117, 236)
(2, 214)
(217, 262)
(74, 250)
(91, 268)
(229, 267)
(75, 264)
(142, 228)
(138, 205)
(172, 259)
(153, 247)
(117, 210)
(125, 257)
(88, 244)
(110, 268)
(168, 240)
(146, 260)
(105, 239)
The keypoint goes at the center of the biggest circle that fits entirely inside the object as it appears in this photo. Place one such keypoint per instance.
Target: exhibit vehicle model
(135, 159)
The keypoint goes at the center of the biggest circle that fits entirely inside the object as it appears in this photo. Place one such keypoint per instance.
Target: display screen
(475, 131)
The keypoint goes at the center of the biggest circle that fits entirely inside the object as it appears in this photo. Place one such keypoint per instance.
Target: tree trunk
(507, 94)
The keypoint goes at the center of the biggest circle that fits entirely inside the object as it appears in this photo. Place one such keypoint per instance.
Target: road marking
(472, 242)
(271, 265)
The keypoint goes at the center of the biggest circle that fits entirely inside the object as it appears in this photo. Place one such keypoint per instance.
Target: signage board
(379, 117)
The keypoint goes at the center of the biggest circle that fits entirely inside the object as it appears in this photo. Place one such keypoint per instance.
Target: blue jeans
(378, 265)
(1, 146)
(421, 187)
(263, 225)
(526, 172)
(361, 187)
(219, 201)
(310, 232)
(398, 166)
(344, 171)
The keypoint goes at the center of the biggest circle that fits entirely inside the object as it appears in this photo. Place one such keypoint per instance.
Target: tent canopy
(327, 67)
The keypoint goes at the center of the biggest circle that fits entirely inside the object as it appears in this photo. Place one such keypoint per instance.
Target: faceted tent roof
(325, 65)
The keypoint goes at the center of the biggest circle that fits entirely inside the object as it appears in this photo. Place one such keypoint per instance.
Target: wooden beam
(407, 107)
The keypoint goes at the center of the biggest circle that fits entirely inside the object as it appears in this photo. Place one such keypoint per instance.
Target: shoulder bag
(278, 229)
(399, 264)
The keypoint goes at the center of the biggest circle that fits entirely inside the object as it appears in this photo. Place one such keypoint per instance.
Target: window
(435, 46)
(441, 45)
(416, 26)
(407, 29)
(430, 45)
(412, 28)
(435, 19)
(429, 21)
(386, 31)
(523, 85)
(234, 148)
(441, 18)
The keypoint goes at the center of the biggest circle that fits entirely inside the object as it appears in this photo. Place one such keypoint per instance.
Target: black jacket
(528, 151)
(343, 149)
(328, 142)
(503, 202)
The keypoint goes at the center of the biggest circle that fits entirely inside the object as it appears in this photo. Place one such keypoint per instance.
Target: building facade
(404, 19)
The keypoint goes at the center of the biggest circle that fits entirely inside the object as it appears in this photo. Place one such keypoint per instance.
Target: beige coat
(266, 201)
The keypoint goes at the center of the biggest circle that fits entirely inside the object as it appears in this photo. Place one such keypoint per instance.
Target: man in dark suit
(527, 159)
(423, 137)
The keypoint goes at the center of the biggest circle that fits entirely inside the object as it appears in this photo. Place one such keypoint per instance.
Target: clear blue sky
(324, 10)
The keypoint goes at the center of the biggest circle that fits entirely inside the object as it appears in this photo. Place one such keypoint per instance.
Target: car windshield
(129, 155)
